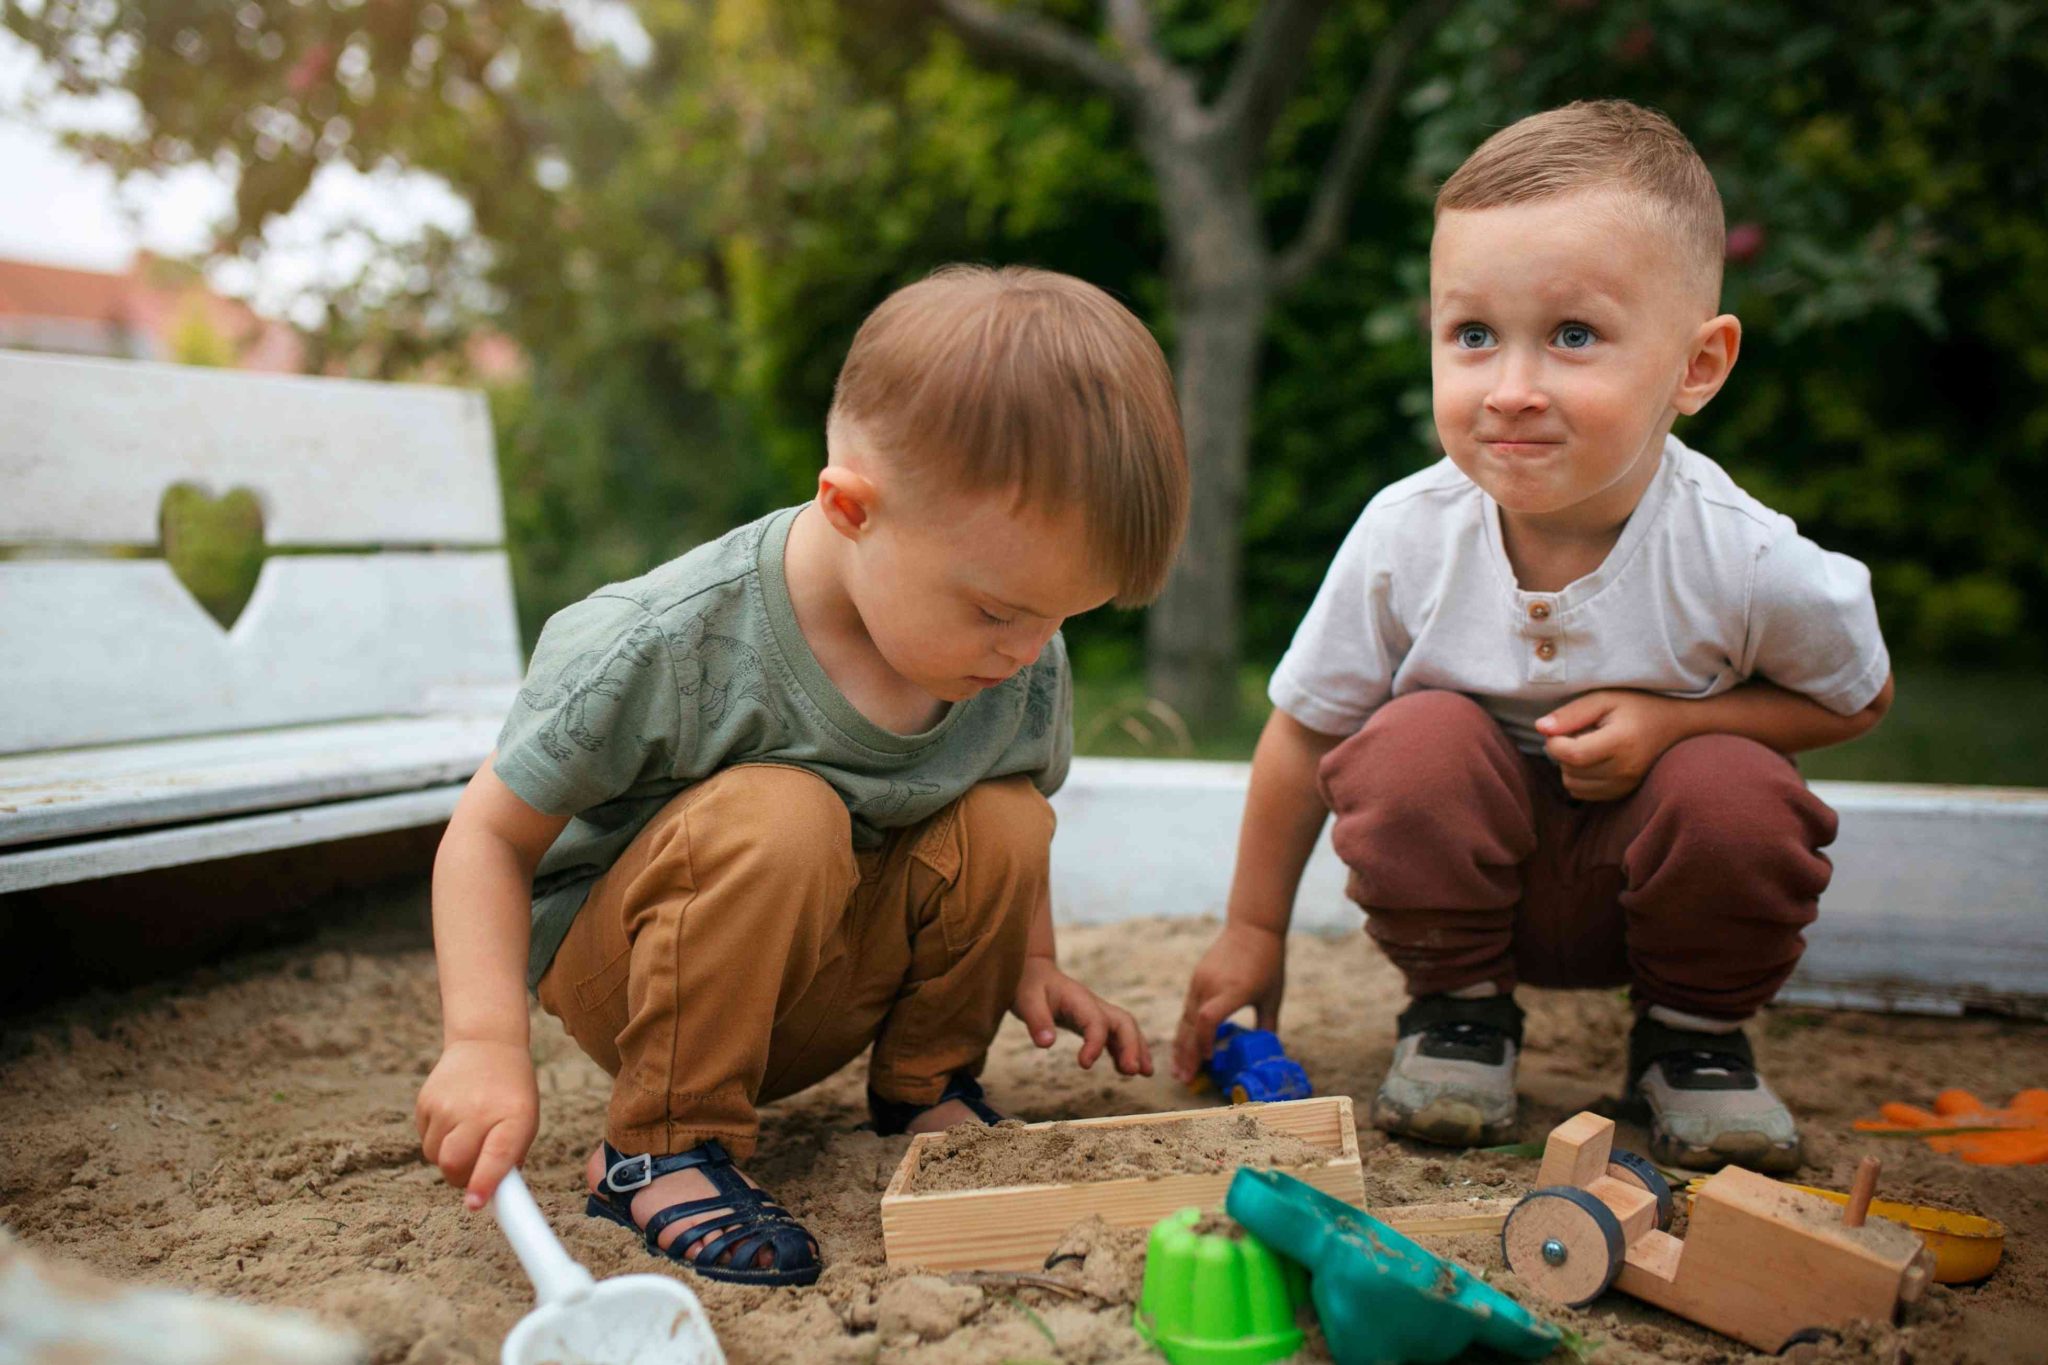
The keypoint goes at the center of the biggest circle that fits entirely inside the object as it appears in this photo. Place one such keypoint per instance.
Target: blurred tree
(684, 238)
(1208, 154)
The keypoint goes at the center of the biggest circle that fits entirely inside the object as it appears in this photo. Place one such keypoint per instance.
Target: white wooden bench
(357, 690)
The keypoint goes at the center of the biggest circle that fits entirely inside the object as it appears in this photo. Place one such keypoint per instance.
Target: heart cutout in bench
(214, 546)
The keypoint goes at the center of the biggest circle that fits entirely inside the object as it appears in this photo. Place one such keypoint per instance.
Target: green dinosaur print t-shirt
(648, 686)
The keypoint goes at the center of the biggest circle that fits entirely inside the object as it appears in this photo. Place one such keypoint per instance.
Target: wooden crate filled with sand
(999, 1198)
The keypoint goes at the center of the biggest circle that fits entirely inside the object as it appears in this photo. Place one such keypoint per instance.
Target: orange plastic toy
(2016, 1135)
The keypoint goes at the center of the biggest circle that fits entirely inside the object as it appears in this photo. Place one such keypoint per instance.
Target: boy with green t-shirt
(784, 798)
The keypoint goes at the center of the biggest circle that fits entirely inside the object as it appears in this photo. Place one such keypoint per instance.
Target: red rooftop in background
(151, 312)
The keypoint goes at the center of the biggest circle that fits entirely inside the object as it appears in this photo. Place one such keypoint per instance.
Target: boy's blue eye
(1575, 336)
(1473, 336)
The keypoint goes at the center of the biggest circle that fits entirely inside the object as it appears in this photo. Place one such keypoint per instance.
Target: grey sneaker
(1708, 1106)
(1453, 1077)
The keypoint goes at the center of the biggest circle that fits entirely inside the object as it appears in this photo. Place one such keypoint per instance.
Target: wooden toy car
(1763, 1262)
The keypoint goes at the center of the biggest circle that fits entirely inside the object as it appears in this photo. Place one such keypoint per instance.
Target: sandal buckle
(643, 1163)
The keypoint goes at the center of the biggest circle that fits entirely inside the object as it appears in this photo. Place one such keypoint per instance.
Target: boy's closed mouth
(1519, 446)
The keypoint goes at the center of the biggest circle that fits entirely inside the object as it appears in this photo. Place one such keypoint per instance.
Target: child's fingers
(1036, 1012)
(1266, 1005)
(1127, 1044)
(1576, 714)
(1581, 751)
(459, 1152)
(502, 1148)
(1196, 1037)
(1580, 787)
(1093, 1039)
(1568, 750)
(1144, 1052)
(1185, 1056)
(1601, 765)
(434, 1128)
(1598, 788)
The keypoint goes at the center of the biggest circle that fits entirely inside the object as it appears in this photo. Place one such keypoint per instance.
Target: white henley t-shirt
(1705, 589)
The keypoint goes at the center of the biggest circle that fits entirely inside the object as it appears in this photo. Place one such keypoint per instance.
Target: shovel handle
(555, 1275)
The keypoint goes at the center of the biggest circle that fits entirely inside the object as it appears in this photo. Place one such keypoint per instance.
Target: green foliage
(194, 338)
(1980, 725)
(683, 246)
(214, 546)
(1889, 395)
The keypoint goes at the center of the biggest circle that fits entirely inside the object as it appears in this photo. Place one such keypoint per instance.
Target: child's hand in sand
(1244, 966)
(477, 1114)
(1047, 996)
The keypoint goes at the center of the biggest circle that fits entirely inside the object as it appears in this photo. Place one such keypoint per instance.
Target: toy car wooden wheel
(1240, 1095)
(1631, 1169)
(1565, 1244)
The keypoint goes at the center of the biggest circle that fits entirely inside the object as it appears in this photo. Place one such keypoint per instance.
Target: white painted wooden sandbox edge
(1936, 906)
(1937, 903)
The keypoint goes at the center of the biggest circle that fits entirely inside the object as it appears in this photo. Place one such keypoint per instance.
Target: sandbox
(247, 1130)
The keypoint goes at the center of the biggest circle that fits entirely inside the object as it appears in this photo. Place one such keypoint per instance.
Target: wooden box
(1017, 1226)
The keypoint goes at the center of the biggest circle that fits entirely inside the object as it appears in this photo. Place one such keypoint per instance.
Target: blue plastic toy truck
(1250, 1067)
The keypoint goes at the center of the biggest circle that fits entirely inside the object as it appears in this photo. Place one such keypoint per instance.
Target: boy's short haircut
(1034, 383)
(1596, 144)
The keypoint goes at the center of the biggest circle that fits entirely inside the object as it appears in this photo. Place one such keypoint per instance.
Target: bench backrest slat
(100, 649)
(87, 448)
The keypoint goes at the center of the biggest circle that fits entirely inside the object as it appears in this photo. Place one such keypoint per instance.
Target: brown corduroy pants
(742, 949)
(1473, 865)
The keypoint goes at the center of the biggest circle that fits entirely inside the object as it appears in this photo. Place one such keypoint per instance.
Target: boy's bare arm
(1605, 742)
(483, 909)
(1786, 721)
(1283, 814)
(478, 1110)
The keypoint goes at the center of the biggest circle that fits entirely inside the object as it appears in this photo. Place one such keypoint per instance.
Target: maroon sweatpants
(1473, 865)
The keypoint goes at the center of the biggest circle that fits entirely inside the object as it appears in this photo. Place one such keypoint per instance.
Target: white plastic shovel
(627, 1320)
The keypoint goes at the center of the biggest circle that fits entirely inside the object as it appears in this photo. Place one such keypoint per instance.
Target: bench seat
(66, 793)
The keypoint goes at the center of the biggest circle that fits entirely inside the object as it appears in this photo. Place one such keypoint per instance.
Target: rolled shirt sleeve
(1813, 625)
(1340, 667)
(599, 713)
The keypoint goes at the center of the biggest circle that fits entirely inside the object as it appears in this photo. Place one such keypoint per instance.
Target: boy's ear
(847, 498)
(1714, 348)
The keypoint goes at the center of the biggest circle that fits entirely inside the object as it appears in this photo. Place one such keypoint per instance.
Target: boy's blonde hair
(1032, 383)
(1602, 144)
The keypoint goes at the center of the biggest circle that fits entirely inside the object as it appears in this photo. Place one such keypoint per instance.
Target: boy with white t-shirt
(1550, 683)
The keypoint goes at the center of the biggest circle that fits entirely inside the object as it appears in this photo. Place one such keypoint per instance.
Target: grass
(1980, 727)
(1986, 727)
(1113, 718)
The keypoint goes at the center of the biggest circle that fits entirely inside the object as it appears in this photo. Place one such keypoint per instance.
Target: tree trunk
(1218, 267)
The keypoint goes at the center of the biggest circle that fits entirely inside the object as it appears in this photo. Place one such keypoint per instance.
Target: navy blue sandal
(751, 1221)
(893, 1117)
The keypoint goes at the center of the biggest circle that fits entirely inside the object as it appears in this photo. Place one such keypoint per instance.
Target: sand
(983, 1158)
(247, 1130)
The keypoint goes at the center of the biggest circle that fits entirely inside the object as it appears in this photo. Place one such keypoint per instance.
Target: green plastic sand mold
(1382, 1299)
(1215, 1300)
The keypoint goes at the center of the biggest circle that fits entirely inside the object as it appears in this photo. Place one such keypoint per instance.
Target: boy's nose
(1516, 390)
(1024, 648)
